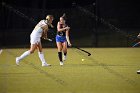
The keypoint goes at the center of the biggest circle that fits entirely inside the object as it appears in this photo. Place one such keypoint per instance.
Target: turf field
(107, 70)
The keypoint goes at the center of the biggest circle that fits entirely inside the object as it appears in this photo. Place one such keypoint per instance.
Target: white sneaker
(45, 65)
(138, 72)
(17, 60)
(64, 58)
(61, 63)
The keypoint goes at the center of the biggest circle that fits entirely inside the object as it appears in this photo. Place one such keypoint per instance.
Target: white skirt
(34, 40)
(35, 36)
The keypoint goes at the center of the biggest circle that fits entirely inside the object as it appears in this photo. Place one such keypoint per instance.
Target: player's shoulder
(58, 22)
(42, 20)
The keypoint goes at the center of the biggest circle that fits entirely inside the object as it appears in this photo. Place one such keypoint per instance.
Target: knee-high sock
(26, 53)
(60, 56)
(65, 53)
(41, 56)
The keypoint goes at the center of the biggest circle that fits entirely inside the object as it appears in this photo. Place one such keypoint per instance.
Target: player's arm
(67, 37)
(45, 30)
(59, 29)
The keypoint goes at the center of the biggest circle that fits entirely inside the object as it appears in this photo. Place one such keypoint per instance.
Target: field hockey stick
(136, 44)
(82, 50)
(48, 39)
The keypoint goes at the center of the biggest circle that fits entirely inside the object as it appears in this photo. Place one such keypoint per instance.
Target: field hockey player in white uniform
(39, 31)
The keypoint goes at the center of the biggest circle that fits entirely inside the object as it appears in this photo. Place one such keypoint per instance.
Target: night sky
(47, 4)
(123, 14)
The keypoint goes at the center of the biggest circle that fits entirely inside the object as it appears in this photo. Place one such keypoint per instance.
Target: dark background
(91, 26)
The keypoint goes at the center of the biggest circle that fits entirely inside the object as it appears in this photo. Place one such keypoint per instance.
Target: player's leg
(64, 50)
(26, 53)
(59, 47)
(41, 55)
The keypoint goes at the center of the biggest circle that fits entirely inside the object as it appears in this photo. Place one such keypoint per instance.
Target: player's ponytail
(64, 16)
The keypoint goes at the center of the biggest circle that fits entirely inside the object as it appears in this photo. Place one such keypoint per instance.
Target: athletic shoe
(45, 65)
(64, 58)
(17, 60)
(61, 63)
(138, 72)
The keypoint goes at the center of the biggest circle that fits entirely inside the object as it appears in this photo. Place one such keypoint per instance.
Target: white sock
(24, 55)
(41, 56)
(64, 56)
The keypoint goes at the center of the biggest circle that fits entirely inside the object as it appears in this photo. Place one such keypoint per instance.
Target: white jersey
(37, 32)
(42, 23)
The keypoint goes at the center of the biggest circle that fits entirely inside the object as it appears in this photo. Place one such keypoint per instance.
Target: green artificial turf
(107, 70)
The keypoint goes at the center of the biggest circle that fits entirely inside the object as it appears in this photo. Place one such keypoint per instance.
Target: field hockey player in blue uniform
(62, 39)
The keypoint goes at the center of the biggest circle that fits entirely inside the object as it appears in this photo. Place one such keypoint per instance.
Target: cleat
(64, 58)
(46, 65)
(61, 63)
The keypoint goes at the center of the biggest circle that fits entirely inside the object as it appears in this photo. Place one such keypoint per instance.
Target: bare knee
(59, 48)
(31, 51)
(33, 47)
(64, 50)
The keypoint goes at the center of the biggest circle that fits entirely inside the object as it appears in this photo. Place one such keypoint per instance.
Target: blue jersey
(61, 36)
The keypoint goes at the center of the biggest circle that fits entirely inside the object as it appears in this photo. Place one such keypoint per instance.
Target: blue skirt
(60, 38)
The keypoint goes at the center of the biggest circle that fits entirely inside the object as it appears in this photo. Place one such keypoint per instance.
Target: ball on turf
(83, 59)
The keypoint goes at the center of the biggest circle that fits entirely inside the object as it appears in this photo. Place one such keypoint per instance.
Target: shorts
(61, 39)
